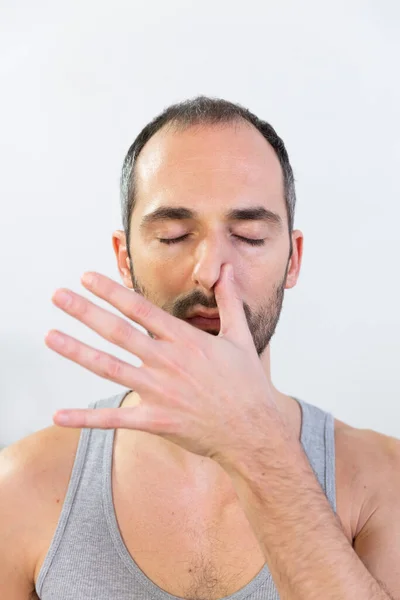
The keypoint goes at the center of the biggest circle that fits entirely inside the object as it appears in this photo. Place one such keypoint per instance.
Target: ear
(295, 261)
(121, 253)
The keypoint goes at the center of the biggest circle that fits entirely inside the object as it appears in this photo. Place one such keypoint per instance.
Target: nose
(210, 255)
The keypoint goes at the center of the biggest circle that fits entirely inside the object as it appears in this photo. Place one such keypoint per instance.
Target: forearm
(304, 545)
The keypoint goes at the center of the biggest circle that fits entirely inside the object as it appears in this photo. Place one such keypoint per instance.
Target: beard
(262, 322)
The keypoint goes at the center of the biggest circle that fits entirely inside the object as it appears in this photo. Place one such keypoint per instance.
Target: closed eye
(250, 241)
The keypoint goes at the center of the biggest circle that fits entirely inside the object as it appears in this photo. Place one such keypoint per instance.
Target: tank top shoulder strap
(88, 457)
(318, 441)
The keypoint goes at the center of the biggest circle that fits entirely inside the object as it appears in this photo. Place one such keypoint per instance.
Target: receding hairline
(198, 113)
(176, 126)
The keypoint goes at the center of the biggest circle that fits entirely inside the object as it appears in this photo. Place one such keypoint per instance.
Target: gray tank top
(87, 558)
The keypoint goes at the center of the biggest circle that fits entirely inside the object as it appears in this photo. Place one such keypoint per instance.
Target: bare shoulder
(366, 461)
(34, 478)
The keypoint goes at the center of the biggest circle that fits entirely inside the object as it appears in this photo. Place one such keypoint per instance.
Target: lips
(205, 322)
(205, 314)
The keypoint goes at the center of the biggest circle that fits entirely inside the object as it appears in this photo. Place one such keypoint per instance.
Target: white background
(78, 82)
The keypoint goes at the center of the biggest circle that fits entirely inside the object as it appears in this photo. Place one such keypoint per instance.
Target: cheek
(261, 281)
(166, 280)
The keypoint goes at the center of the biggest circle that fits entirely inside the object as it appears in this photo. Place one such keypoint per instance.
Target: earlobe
(289, 282)
(127, 274)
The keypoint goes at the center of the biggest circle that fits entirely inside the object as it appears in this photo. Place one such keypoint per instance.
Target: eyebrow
(180, 213)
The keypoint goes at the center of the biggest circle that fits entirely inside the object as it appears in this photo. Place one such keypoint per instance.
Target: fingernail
(56, 339)
(88, 278)
(63, 298)
(62, 418)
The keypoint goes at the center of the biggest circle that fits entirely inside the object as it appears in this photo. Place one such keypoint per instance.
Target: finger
(141, 417)
(233, 320)
(111, 327)
(137, 308)
(102, 364)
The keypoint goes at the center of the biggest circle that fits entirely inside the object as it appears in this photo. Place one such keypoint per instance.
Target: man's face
(211, 171)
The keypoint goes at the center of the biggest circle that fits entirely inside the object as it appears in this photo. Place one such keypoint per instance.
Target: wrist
(274, 449)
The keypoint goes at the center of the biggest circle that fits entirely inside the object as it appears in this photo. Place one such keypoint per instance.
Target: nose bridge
(210, 254)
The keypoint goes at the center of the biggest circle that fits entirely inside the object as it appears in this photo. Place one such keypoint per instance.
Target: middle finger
(111, 327)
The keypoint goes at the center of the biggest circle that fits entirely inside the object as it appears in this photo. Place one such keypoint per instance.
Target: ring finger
(111, 327)
(98, 362)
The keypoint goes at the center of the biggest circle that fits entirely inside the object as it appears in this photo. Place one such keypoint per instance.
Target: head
(205, 183)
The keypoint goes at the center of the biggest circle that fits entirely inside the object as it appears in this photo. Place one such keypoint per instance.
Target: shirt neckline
(152, 588)
(109, 509)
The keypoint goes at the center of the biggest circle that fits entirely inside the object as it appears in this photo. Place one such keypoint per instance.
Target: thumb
(231, 312)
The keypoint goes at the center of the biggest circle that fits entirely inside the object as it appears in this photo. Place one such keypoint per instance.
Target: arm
(377, 542)
(304, 545)
(34, 477)
(16, 569)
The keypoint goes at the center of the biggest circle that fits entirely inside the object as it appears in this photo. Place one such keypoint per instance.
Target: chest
(186, 546)
(185, 542)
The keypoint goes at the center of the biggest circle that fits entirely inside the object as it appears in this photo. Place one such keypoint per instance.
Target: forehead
(204, 164)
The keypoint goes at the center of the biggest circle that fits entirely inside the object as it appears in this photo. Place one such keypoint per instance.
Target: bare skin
(201, 531)
(216, 536)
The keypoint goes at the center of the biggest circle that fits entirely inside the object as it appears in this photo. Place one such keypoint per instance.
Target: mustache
(196, 298)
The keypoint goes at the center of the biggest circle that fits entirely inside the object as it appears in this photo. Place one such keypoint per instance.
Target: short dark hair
(202, 110)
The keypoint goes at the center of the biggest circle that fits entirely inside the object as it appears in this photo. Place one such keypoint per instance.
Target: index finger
(137, 308)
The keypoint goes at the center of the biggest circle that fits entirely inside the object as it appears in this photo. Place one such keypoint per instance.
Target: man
(209, 483)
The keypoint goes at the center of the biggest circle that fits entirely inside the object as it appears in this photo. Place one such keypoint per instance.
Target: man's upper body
(36, 471)
(204, 185)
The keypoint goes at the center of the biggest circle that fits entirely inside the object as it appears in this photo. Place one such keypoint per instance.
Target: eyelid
(182, 238)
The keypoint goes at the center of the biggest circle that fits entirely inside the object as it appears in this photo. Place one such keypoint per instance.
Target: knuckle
(97, 359)
(112, 369)
(165, 425)
(195, 349)
(142, 309)
(80, 308)
(121, 332)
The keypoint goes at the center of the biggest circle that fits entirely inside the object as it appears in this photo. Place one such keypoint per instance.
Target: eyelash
(249, 241)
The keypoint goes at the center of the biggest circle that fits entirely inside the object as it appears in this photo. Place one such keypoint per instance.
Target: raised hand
(206, 393)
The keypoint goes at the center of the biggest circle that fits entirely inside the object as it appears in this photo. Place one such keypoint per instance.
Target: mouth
(205, 323)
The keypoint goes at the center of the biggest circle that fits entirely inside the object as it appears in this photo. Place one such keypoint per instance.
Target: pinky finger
(142, 417)
(102, 364)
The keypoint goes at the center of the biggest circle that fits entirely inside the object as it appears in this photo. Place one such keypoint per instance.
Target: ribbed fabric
(87, 558)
